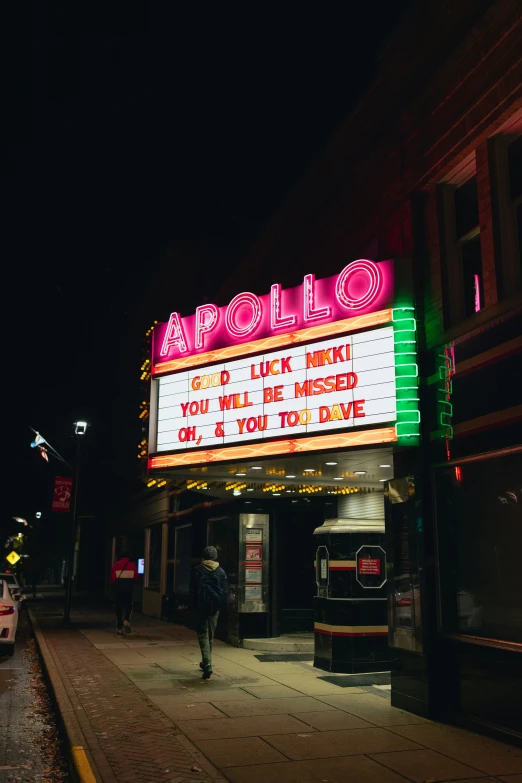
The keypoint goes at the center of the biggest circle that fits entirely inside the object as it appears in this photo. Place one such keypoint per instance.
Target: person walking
(123, 576)
(208, 591)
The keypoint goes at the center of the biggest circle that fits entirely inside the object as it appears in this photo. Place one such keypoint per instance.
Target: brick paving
(146, 715)
(129, 739)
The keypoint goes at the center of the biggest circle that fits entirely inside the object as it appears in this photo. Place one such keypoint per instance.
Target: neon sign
(362, 287)
(338, 383)
(328, 364)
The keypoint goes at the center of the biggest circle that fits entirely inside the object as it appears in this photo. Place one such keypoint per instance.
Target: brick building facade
(428, 171)
(429, 167)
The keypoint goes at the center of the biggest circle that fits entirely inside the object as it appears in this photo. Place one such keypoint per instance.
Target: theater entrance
(263, 517)
(294, 587)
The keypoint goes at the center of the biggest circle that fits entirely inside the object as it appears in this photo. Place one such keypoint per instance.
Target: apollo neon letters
(361, 287)
(203, 324)
(277, 321)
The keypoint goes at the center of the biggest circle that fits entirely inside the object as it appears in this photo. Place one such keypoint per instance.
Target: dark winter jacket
(219, 580)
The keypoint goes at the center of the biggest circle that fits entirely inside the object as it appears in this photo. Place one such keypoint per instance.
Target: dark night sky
(139, 138)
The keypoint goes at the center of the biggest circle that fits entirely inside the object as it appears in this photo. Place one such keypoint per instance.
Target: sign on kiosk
(285, 369)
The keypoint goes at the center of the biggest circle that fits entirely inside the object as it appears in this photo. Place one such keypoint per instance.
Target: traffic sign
(13, 557)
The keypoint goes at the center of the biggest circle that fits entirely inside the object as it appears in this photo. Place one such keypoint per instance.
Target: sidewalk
(144, 714)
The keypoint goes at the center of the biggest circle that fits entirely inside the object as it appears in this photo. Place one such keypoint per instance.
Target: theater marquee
(344, 374)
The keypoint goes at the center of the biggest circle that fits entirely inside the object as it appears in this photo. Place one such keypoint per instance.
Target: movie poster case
(253, 562)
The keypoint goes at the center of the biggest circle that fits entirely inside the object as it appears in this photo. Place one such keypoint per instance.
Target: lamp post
(80, 428)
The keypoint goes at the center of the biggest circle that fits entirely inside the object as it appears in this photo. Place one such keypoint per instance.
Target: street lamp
(80, 428)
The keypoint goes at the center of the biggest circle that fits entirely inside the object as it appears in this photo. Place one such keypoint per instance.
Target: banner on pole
(62, 494)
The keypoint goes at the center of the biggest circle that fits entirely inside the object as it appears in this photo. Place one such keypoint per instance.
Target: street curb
(80, 760)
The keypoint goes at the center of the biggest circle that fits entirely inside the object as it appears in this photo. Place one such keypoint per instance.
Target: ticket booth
(350, 612)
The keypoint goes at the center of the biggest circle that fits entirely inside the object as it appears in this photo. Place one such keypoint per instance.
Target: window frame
(508, 246)
(451, 244)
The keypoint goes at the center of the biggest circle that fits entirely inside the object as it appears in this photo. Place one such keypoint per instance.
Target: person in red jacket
(123, 575)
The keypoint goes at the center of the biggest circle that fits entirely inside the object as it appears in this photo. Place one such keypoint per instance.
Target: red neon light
(273, 448)
(277, 321)
(231, 319)
(476, 283)
(361, 287)
(205, 326)
(174, 335)
(311, 312)
(352, 274)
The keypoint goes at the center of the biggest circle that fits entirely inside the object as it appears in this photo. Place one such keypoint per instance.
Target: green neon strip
(444, 391)
(407, 426)
(404, 336)
(407, 371)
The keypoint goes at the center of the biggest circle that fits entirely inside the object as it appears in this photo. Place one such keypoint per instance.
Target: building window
(467, 239)
(153, 572)
(461, 244)
(515, 192)
(480, 539)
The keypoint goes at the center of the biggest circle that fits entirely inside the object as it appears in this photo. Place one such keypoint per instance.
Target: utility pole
(79, 431)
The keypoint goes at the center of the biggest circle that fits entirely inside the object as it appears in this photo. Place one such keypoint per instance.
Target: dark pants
(123, 606)
(205, 629)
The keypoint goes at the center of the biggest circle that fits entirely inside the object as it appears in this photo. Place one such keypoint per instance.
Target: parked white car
(14, 585)
(9, 608)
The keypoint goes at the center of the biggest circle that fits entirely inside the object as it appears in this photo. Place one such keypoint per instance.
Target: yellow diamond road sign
(13, 557)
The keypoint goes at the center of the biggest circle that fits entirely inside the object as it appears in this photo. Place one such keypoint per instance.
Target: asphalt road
(30, 748)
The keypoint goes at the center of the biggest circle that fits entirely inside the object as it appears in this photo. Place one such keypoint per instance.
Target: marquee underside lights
(329, 364)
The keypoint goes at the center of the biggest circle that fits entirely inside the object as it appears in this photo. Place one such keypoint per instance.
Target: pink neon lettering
(362, 268)
(243, 300)
(278, 321)
(204, 324)
(311, 313)
(476, 283)
(174, 335)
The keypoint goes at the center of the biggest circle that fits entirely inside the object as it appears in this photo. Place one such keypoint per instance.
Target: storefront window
(183, 536)
(154, 557)
(479, 510)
